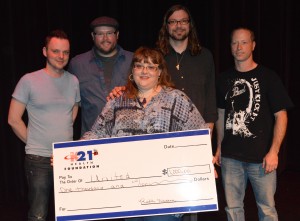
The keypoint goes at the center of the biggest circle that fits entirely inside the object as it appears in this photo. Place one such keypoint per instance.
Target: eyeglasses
(108, 34)
(182, 22)
(140, 67)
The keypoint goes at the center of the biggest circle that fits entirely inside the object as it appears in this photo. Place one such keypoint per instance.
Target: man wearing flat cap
(101, 69)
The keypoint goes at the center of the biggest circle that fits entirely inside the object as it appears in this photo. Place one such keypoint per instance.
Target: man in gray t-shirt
(50, 96)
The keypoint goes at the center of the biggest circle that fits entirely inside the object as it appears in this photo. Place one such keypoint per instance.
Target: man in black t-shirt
(252, 108)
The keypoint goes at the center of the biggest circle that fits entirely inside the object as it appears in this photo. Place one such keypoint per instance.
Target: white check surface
(144, 175)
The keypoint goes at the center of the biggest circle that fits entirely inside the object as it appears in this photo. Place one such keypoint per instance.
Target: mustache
(180, 29)
(105, 41)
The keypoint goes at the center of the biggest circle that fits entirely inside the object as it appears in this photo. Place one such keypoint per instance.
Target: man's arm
(220, 134)
(16, 111)
(75, 112)
(270, 161)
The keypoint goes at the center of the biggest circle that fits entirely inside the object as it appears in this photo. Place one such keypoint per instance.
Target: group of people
(153, 90)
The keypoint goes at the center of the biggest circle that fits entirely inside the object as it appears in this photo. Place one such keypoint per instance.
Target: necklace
(178, 62)
(143, 99)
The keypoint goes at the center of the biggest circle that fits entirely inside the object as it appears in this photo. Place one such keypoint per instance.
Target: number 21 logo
(81, 155)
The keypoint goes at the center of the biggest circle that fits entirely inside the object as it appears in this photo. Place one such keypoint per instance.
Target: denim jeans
(39, 174)
(155, 218)
(235, 175)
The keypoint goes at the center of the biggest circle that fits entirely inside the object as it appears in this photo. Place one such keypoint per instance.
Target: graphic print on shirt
(244, 100)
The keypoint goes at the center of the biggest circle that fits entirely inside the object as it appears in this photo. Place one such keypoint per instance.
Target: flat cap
(104, 21)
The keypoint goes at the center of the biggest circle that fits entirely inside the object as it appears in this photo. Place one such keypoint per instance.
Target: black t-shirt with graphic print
(250, 100)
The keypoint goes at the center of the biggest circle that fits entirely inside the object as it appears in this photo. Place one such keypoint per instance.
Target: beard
(105, 50)
(179, 36)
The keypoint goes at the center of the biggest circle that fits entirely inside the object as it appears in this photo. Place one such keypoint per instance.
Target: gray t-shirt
(49, 102)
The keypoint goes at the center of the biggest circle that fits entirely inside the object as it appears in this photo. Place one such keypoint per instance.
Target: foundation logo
(81, 156)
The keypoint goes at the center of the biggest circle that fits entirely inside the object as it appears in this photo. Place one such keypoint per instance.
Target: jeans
(235, 175)
(39, 174)
(155, 218)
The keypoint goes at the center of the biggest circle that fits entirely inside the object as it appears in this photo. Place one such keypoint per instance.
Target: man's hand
(116, 92)
(218, 156)
(270, 162)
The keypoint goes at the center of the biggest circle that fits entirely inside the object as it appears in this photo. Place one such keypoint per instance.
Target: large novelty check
(143, 175)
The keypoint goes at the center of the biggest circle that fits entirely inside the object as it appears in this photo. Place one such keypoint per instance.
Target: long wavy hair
(147, 55)
(163, 43)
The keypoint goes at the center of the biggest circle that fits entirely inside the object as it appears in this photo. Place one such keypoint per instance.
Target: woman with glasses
(149, 105)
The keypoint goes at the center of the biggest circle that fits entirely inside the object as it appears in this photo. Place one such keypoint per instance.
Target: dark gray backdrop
(24, 24)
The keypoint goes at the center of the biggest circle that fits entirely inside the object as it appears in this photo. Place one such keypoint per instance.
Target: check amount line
(121, 186)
